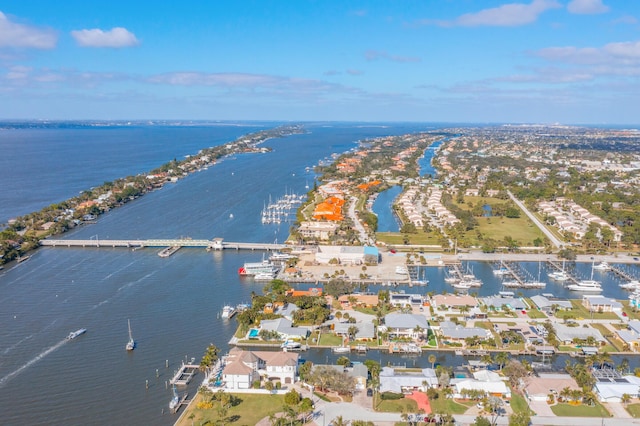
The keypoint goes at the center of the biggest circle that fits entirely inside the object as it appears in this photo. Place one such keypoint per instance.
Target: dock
(184, 375)
(622, 273)
(166, 252)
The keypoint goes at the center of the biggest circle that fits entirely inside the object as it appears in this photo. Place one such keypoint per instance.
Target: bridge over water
(215, 244)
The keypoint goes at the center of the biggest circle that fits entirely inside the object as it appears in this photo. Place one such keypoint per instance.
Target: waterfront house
(405, 299)
(489, 385)
(284, 328)
(611, 386)
(631, 335)
(360, 373)
(453, 301)
(400, 380)
(538, 388)
(318, 230)
(497, 303)
(457, 333)
(406, 325)
(365, 330)
(242, 368)
(568, 335)
(546, 302)
(601, 304)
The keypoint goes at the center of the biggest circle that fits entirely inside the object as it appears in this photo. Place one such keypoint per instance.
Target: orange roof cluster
(329, 209)
(365, 186)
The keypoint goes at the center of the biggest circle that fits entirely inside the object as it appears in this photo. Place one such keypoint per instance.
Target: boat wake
(15, 345)
(119, 270)
(37, 358)
(124, 287)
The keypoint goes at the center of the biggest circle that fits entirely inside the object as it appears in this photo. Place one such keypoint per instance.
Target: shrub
(391, 396)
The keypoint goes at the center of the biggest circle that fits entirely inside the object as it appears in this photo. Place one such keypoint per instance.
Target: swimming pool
(253, 333)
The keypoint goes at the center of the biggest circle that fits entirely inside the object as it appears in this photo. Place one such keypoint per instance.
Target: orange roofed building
(329, 209)
(314, 291)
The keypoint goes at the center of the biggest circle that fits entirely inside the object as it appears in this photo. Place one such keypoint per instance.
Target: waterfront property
(540, 386)
(406, 325)
(243, 368)
(484, 381)
(284, 329)
(401, 380)
(458, 333)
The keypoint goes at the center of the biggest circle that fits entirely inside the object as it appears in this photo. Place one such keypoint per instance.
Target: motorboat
(228, 311)
(587, 286)
(602, 266)
(76, 333)
(263, 276)
(175, 400)
(131, 344)
(631, 285)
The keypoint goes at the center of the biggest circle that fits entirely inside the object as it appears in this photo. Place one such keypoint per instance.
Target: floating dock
(168, 251)
(184, 375)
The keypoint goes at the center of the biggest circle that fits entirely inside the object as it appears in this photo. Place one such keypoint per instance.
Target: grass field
(251, 410)
(519, 404)
(568, 410)
(447, 405)
(397, 238)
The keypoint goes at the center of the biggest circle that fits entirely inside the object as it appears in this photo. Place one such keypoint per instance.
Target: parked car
(369, 392)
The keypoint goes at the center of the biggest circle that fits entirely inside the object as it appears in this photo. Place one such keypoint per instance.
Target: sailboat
(173, 404)
(131, 344)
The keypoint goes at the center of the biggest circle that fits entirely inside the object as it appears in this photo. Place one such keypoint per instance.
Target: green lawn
(568, 410)
(250, 411)
(634, 410)
(616, 344)
(420, 238)
(396, 405)
(583, 312)
(518, 403)
(327, 339)
(447, 405)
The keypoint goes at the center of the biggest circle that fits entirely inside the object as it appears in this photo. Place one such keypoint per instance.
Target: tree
(304, 370)
(520, 418)
(292, 397)
(352, 331)
(481, 421)
(343, 361)
(209, 358)
(501, 359)
(432, 359)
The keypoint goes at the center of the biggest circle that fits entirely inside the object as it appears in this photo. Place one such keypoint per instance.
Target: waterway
(173, 303)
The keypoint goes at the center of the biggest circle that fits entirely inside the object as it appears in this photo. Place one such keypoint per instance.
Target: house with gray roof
(497, 302)
(452, 331)
(566, 334)
(398, 380)
(366, 330)
(546, 302)
(406, 325)
(631, 335)
(284, 328)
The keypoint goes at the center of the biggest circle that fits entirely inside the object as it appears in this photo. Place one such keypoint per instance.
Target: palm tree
(501, 359)
(338, 421)
(432, 359)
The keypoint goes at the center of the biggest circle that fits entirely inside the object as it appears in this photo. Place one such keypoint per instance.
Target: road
(364, 237)
(554, 240)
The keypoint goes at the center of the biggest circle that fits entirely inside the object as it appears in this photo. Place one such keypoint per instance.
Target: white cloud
(115, 37)
(587, 7)
(13, 34)
(507, 15)
(620, 53)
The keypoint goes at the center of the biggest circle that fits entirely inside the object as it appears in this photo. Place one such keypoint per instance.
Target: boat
(263, 276)
(131, 344)
(559, 276)
(602, 266)
(175, 400)
(76, 333)
(291, 344)
(534, 284)
(253, 268)
(341, 349)
(511, 284)
(631, 285)
(280, 257)
(589, 286)
(462, 285)
(228, 311)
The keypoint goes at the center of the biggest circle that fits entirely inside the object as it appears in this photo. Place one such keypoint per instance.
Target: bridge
(215, 244)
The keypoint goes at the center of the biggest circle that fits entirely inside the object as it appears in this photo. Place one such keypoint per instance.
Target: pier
(622, 274)
(184, 375)
(215, 244)
(183, 401)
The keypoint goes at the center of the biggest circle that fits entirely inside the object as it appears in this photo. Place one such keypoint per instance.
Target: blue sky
(532, 61)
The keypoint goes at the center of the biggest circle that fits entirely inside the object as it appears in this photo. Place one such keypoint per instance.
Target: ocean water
(173, 303)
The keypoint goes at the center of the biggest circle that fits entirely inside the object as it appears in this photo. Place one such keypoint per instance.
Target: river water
(173, 303)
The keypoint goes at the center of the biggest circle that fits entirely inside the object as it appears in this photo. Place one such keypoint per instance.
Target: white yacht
(631, 285)
(602, 266)
(228, 311)
(589, 286)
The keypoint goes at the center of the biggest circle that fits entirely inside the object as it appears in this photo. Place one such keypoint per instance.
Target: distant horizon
(151, 121)
(484, 61)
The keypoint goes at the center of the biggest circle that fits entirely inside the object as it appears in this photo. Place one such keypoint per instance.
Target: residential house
(242, 368)
(399, 380)
(406, 325)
